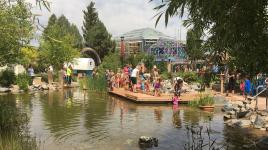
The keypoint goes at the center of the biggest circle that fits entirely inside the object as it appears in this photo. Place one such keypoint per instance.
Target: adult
(266, 81)
(155, 73)
(69, 74)
(31, 73)
(231, 83)
(133, 77)
(50, 74)
(247, 87)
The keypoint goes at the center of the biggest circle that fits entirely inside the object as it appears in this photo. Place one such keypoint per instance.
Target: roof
(143, 34)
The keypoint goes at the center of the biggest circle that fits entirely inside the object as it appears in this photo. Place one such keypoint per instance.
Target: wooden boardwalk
(144, 98)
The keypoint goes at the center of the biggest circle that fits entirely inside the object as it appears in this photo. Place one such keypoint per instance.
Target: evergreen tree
(95, 33)
(59, 42)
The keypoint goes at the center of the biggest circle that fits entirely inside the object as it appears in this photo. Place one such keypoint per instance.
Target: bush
(7, 77)
(23, 81)
(188, 77)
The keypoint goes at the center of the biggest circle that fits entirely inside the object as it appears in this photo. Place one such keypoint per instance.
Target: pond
(77, 119)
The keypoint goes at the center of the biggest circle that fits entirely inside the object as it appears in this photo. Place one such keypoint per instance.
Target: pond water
(77, 119)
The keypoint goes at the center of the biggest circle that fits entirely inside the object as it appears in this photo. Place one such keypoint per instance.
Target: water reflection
(74, 118)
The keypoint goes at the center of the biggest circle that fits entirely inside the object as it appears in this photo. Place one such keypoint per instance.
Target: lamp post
(122, 46)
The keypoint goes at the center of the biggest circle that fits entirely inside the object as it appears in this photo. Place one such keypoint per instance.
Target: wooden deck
(144, 98)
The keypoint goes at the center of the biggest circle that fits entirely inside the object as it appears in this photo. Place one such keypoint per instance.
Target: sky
(119, 16)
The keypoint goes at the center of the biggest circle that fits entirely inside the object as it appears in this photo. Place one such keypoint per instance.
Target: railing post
(257, 92)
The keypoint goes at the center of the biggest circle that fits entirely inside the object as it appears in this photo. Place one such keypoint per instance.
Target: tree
(194, 45)
(238, 28)
(28, 55)
(15, 30)
(58, 48)
(67, 28)
(95, 33)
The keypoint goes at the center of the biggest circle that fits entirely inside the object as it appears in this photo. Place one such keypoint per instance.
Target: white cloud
(119, 16)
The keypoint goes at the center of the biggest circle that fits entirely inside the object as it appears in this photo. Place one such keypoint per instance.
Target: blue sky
(119, 16)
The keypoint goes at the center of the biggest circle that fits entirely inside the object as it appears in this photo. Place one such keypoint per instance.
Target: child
(147, 86)
(242, 87)
(157, 87)
(175, 99)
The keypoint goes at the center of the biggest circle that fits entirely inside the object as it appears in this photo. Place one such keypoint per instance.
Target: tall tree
(236, 27)
(59, 43)
(95, 33)
(16, 30)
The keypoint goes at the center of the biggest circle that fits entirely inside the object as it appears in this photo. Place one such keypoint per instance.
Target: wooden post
(222, 82)
(169, 68)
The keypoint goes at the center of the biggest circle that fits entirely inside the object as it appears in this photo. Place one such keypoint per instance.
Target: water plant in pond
(97, 83)
(204, 100)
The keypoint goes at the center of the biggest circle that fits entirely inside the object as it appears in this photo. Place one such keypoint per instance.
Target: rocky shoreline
(243, 114)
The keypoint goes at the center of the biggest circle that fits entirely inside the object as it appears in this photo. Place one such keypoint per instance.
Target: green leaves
(236, 28)
(15, 30)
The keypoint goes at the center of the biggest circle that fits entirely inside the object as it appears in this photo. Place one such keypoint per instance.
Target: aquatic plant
(204, 100)
(94, 84)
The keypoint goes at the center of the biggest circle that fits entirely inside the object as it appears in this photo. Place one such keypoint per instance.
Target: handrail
(257, 95)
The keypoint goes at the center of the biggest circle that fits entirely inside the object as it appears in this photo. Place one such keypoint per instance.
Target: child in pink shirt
(175, 99)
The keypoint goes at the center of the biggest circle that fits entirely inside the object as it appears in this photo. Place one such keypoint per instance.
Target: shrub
(7, 77)
(23, 81)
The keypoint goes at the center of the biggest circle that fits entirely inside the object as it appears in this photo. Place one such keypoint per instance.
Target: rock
(259, 122)
(4, 90)
(252, 118)
(44, 87)
(227, 107)
(232, 122)
(226, 117)
(266, 119)
(263, 129)
(248, 114)
(147, 142)
(15, 89)
(262, 113)
(231, 112)
(243, 109)
(262, 143)
(243, 123)
(242, 114)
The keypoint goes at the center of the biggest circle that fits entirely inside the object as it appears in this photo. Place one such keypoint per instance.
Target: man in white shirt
(133, 77)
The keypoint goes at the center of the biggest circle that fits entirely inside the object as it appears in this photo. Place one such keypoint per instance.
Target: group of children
(135, 80)
(140, 80)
